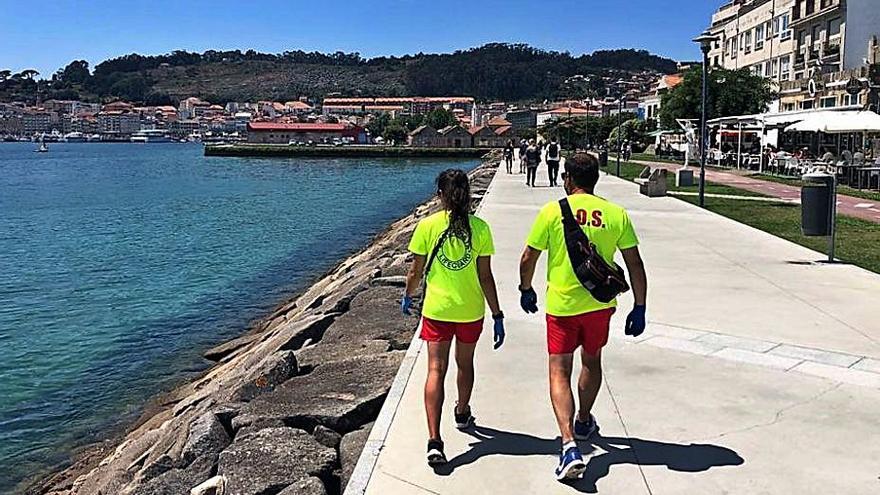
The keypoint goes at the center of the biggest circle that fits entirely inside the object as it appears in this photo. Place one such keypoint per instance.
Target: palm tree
(4, 75)
(29, 73)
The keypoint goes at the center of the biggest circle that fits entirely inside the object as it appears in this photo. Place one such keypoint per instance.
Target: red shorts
(590, 330)
(444, 331)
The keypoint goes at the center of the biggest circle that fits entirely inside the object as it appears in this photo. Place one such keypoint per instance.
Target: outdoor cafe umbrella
(831, 122)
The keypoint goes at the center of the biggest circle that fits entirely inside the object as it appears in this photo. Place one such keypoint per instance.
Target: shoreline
(283, 150)
(317, 335)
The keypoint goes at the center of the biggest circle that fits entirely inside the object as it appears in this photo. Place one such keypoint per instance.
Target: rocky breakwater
(288, 406)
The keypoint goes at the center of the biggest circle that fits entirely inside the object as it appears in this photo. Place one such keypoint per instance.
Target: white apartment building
(756, 35)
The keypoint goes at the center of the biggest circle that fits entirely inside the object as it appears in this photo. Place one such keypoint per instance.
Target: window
(829, 102)
(807, 105)
(818, 35)
(786, 32)
(767, 69)
(768, 28)
(775, 70)
(784, 67)
(749, 41)
(834, 27)
(742, 41)
(759, 37)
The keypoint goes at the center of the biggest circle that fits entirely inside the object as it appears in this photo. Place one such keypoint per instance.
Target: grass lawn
(858, 241)
(849, 191)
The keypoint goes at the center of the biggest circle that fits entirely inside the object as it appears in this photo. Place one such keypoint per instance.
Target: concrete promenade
(759, 372)
(864, 209)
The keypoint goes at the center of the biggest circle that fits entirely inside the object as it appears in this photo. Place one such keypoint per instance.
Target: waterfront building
(485, 137)
(118, 124)
(426, 137)
(548, 116)
(297, 108)
(755, 35)
(524, 118)
(407, 105)
(456, 136)
(189, 107)
(284, 133)
(649, 104)
(36, 122)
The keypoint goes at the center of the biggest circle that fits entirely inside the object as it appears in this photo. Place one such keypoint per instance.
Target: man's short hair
(583, 170)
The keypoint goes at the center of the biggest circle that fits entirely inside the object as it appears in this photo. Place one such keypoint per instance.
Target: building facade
(281, 133)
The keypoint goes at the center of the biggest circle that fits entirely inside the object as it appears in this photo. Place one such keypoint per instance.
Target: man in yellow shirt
(574, 317)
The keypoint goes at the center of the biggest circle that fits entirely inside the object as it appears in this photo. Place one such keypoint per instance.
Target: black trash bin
(603, 158)
(817, 205)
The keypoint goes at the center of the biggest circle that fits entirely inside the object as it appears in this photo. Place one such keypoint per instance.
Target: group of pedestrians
(530, 154)
(452, 251)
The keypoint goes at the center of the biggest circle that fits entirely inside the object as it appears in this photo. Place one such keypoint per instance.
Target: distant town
(331, 120)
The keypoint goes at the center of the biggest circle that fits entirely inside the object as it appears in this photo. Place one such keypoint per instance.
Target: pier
(280, 150)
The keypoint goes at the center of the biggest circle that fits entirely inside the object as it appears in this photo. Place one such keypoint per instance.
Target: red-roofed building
(485, 137)
(283, 133)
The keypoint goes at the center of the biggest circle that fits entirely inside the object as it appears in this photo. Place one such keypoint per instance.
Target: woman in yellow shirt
(453, 249)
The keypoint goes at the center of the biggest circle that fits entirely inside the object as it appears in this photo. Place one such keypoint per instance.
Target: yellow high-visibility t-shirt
(607, 225)
(453, 291)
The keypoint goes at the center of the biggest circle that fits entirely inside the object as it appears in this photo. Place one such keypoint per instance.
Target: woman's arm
(414, 276)
(487, 282)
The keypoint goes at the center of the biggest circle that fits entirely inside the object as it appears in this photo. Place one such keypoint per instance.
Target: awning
(831, 122)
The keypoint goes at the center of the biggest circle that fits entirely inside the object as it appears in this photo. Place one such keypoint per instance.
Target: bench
(652, 183)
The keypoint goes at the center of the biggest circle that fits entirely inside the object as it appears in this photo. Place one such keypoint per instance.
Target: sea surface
(121, 263)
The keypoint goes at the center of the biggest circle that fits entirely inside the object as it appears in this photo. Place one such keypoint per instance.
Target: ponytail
(455, 193)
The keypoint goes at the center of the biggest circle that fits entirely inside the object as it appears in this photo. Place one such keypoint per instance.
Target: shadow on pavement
(691, 458)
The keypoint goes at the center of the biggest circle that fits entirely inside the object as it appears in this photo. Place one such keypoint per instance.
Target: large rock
(305, 486)
(179, 481)
(206, 436)
(350, 449)
(374, 315)
(219, 352)
(271, 372)
(341, 395)
(272, 459)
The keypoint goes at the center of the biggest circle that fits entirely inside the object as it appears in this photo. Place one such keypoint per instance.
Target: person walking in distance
(575, 317)
(453, 249)
(508, 156)
(533, 159)
(523, 147)
(554, 153)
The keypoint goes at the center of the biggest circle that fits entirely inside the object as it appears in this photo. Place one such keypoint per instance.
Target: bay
(121, 263)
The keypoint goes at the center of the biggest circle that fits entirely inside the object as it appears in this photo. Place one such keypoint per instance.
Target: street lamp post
(620, 94)
(705, 40)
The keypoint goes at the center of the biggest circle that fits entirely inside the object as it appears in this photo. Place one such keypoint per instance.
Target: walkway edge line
(366, 464)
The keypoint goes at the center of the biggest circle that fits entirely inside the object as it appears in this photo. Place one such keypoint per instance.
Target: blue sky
(48, 35)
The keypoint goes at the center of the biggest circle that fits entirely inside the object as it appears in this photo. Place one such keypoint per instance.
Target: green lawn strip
(630, 171)
(858, 241)
(846, 190)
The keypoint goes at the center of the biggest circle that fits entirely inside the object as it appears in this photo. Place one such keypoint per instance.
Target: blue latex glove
(499, 332)
(635, 321)
(406, 304)
(528, 300)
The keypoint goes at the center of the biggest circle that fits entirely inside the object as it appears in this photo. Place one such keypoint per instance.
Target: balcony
(810, 10)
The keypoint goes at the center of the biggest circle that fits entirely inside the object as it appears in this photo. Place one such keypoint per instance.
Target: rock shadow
(689, 458)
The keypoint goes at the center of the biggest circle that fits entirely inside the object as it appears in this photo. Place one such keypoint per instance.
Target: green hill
(496, 71)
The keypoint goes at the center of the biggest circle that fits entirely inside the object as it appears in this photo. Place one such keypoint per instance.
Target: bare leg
(438, 363)
(560, 394)
(589, 383)
(464, 361)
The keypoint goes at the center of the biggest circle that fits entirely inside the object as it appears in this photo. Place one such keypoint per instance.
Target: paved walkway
(846, 205)
(759, 373)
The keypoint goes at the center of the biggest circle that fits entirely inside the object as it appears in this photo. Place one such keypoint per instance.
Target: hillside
(495, 71)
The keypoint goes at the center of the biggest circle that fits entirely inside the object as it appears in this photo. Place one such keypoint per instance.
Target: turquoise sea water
(120, 263)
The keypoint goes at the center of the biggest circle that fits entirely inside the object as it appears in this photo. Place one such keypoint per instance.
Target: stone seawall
(289, 405)
(281, 150)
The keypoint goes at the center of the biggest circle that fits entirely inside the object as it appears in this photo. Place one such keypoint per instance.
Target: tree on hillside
(76, 72)
(29, 73)
(731, 92)
(439, 118)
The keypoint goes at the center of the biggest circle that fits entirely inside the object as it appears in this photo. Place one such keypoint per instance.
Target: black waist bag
(604, 281)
